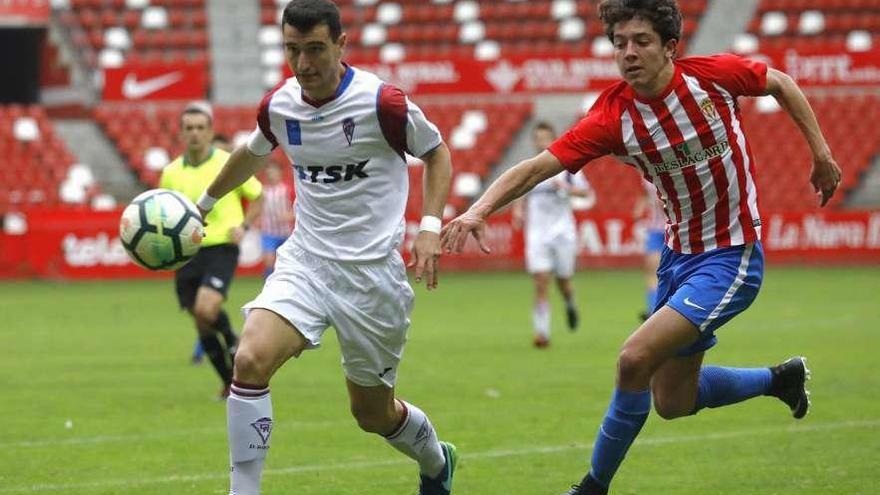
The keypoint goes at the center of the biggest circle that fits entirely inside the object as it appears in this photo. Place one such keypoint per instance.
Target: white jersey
(348, 158)
(549, 213)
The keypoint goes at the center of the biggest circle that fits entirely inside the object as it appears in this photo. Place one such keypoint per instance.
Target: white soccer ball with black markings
(161, 229)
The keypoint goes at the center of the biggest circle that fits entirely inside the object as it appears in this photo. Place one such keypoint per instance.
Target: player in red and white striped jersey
(677, 122)
(276, 217)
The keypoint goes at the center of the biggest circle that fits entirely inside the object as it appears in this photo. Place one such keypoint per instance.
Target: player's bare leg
(644, 352)
(407, 429)
(541, 310)
(215, 332)
(267, 342)
(571, 311)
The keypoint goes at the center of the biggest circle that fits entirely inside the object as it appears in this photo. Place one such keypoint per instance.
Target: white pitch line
(490, 454)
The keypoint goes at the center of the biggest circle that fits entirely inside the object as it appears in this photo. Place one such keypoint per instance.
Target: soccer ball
(161, 229)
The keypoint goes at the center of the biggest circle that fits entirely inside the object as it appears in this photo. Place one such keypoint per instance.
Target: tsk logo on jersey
(348, 129)
(709, 110)
(333, 173)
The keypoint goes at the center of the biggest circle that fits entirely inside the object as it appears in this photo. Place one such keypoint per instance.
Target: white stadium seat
(110, 58)
(466, 11)
(117, 37)
(773, 23)
(471, 32)
(373, 35)
(745, 43)
(572, 29)
(154, 18)
(389, 13)
(562, 9)
(156, 158)
(601, 47)
(858, 41)
(811, 22)
(487, 50)
(392, 52)
(26, 129)
(467, 184)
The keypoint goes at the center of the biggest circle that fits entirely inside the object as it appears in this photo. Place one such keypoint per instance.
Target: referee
(202, 284)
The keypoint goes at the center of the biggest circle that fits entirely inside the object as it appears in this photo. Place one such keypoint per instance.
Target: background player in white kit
(551, 236)
(347, 131)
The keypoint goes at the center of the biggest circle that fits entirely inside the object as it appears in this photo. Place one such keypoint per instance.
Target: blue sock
(198, 350)
(624, 419)
(650, 297)
(724, 386)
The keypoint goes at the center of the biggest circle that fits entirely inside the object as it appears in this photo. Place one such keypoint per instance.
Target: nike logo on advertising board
(687, 302)
(134, 89)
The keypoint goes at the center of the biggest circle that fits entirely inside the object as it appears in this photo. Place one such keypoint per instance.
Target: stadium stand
(38, 168)
(477, 134)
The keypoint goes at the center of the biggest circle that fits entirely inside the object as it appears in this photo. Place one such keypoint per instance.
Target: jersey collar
(343, 85)
(194, 165)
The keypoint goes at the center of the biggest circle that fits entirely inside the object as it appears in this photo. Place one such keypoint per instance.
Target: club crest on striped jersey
(709, 110)
(263, 427)
(348, 129)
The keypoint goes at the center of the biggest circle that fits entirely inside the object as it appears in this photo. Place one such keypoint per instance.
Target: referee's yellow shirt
(193, 179)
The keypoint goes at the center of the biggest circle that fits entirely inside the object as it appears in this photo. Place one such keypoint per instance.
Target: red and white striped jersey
(655, 214)
(689, 143)
(277, 210)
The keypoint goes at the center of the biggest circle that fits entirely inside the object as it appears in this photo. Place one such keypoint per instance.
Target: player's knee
(633, 365)
(205, 315)
(670, 408)
(371, 420)
(250, 367)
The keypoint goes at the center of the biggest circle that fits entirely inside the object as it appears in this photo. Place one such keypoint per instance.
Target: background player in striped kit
(551, 237)
(348, 131)
(276, 218)
(677, 122)
(649, 210)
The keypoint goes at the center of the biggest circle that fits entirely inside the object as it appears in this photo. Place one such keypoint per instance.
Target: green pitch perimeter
(99, 398)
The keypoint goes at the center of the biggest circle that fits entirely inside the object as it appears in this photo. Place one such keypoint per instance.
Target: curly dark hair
(663, 15)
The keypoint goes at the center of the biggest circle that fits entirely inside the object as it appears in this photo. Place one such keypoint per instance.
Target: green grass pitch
(99, 398)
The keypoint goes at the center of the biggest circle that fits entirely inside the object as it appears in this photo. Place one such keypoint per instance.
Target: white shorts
(551, 254)
(368, 303)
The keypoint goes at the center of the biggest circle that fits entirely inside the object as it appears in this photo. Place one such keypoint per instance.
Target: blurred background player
(220, 142)
(678, 123)
(649, 210)
(551, 237)
(341, 266)
(202, 284)
(276, 217)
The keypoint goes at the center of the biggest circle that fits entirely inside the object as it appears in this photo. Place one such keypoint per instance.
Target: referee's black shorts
(212, 266)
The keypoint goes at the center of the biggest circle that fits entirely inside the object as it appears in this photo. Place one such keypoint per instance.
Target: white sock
(541, 319)
(249, 422)
(417, 439)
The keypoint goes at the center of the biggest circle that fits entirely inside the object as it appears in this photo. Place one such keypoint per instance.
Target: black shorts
(212, 266)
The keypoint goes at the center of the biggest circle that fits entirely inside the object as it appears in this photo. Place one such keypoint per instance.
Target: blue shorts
(709, 288)
(271, 243)
(655, 241)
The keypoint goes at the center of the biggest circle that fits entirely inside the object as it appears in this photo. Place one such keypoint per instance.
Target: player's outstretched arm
(513, 183)
(825, 174)
(426, 250)
(241, 166)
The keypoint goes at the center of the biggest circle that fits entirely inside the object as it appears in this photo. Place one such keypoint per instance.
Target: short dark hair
(543, 125)
(198, 108)
(664, 16)
(304, 15)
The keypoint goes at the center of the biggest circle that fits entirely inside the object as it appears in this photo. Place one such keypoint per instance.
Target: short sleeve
(251, 189)
(739, 75)
(589, 139)
(404, 125)
(258, 144)
(422, 136)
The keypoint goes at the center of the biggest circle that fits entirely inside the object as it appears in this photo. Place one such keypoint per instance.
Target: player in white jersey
(551, 237)
(347, 132)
